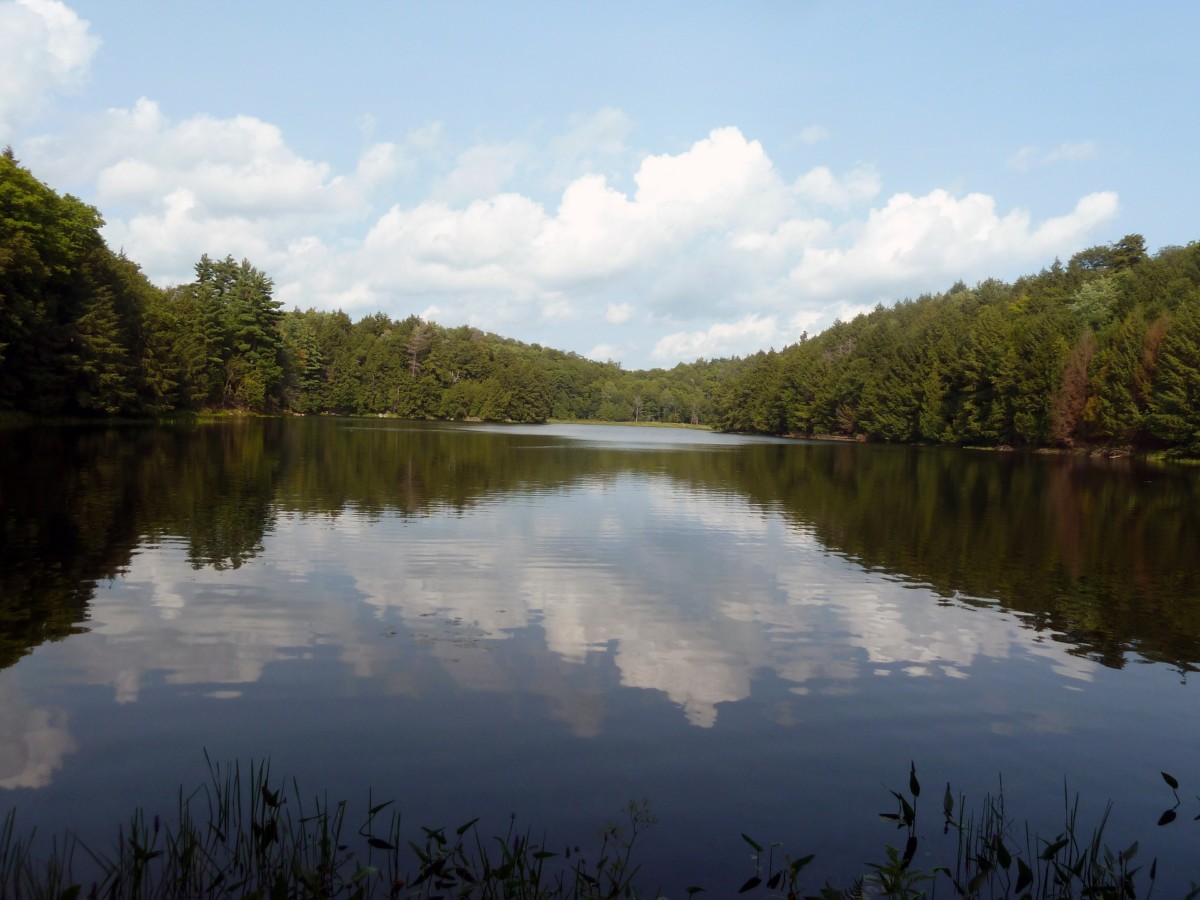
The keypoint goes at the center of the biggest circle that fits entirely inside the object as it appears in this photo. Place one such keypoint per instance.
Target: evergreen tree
(1117, 389)
(254, 368)
(1175, 408)
(104, 372)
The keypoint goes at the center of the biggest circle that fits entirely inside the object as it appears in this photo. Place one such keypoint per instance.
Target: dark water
(754, 635)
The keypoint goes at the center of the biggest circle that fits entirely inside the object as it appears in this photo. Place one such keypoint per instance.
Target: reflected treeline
(76, 502)
(414, 469)
(68, 507)
(1099, 554)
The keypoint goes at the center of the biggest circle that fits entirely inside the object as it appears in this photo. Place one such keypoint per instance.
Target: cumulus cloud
(510, 244)
(710, 249)
(481, 171)
(747, 335)
(239, 166)
(713, 232)
(44, 47)
(821, 186)
(205, 184)
(914, 240)
(722, 181)
(602, 353)
(618, 313)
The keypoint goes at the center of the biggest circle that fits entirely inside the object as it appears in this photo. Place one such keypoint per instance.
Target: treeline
(1102, 351)
(83, 331)
(417, 369)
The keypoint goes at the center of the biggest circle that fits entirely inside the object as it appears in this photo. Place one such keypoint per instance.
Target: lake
(753, 635)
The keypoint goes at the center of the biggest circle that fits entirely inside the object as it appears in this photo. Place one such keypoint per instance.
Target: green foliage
(104, 372)
(1174, 414)
(989, 857)
(417, 369)
(1064, 357)
(50, 250)
(232, 336)
(251, 836)
(247, 835)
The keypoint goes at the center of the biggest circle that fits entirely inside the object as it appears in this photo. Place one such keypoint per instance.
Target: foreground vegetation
(1104, 350)
(250, 837)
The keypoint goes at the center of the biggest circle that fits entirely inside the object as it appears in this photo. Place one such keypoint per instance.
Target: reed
(243, 834)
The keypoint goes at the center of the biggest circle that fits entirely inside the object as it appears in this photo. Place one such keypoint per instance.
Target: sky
(644, 182)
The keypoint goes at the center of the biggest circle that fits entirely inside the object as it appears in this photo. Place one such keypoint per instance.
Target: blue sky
(648, 182)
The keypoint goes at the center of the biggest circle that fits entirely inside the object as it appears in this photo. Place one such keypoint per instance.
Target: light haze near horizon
(649, 183)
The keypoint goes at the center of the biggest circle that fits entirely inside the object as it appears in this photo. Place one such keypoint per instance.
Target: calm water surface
(754, 635)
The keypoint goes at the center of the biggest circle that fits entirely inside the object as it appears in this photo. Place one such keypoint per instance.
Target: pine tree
(1175, 409)
(1118, 388)
(104, 381)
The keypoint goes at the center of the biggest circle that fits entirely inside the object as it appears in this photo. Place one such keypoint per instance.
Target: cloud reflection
(33, 741)
(638, 581)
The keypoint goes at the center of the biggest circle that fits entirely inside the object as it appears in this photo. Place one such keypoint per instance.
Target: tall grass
(241, 834)
(993, 858)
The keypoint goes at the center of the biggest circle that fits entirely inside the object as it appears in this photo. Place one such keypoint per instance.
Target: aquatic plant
(241, 834)
(993, 858)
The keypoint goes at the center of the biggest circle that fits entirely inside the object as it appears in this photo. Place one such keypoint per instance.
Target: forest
(1103, 351)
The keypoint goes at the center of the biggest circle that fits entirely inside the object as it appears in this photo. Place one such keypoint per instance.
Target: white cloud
(913, 241)
(618, 313)
(44, 47)
(785, 241)
(722, 181)
(804, 320)
(212, 185)
(710, 249)
(820, 185)
(237, 166)
(602, 353)
(711, 231)
(1090, 211)
(597, 238)
(481, 171)
(747, 335)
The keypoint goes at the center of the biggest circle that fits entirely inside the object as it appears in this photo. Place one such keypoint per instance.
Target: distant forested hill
(83, 332)
(1104, 350)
